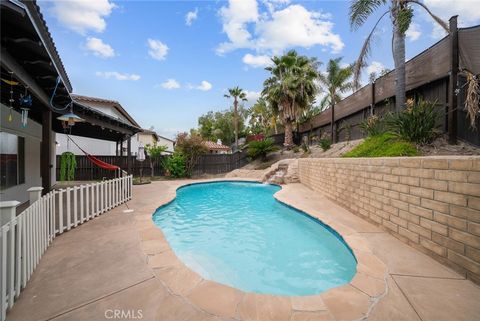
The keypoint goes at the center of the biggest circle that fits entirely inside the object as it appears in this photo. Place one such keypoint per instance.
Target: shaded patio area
(103, 265)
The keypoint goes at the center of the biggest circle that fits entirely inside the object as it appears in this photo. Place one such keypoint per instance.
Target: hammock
(95, 160)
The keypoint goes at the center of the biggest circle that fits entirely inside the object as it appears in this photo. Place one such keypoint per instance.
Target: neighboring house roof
(112, 103)
(214, 146)
(149, 132)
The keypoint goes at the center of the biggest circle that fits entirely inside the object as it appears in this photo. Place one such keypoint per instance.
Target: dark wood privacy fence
(220, 163)
(428, 76)
(207, 164)
(86, 170)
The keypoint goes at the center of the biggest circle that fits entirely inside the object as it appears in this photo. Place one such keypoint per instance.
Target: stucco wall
(91, 145)
(33, 138)
(431, 203)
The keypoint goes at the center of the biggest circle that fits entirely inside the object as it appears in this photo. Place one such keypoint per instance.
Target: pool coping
(351, 301)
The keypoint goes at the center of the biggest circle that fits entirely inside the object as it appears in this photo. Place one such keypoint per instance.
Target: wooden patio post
(452, 83)
(129, 154)
(46, 145)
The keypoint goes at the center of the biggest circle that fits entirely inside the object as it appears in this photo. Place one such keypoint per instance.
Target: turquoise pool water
(237, 234)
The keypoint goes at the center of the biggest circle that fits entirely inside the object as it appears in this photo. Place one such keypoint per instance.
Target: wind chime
(11, 100)
(25, 101)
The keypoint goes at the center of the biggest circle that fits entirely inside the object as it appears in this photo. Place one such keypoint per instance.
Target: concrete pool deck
(120, 261)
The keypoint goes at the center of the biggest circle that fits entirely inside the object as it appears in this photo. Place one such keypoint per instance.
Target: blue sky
(168, 62)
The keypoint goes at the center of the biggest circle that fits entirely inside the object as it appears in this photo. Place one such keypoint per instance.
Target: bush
(373, 126)
(260, 148)
(296, 149)
(416, 123)
(325, 143)
(385, 145)
(174, 165)
(191, 147)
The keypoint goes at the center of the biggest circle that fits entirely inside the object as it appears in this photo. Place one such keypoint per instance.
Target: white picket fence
(25, 238)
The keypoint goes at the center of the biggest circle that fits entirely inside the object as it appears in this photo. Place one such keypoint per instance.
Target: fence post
(333, 125)
(372, 104)
(8, 211)
(35, 193)
(452, 82)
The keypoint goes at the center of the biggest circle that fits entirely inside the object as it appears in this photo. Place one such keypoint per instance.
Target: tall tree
(237, 94)
(291, 88)
(401, 13)
(334, 83)
(262, 117)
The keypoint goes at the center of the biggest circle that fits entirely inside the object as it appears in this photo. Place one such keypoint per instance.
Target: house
(94, 146)
(36, 91)
(97, 147)
(150, 137)
(217, 147)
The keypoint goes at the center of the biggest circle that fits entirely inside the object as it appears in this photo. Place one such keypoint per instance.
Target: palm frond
(438, 20)
(361, 10)
(364, 54)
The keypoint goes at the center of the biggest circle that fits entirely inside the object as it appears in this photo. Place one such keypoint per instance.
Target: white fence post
(34, 193)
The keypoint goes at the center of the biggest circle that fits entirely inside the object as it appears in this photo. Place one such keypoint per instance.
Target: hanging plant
(68, 164)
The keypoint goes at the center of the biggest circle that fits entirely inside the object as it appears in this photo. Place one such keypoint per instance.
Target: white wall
(166, 142)
(33, 139)
(90, 145)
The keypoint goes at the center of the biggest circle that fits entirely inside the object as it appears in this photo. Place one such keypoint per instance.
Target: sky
(169, 62)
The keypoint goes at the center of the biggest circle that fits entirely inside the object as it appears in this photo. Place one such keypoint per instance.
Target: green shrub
(416, 123)
(296, 149)
(260, 148)
(385, 145)
(175, 165)
(325, 143)
(373, 126)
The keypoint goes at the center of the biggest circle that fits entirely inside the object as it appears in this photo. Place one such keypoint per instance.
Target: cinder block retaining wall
(431, 203)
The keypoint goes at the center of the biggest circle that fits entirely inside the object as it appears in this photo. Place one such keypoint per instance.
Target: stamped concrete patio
(119, 261)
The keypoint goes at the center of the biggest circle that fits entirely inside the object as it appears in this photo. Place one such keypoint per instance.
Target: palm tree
(238, 94)
(401, 13)
(291, 88)
(262, 117)
(335, 82)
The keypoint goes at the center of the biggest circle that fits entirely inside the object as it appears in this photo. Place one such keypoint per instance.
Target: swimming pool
(237, 234)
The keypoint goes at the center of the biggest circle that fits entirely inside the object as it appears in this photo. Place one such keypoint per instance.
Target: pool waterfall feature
(237, 234)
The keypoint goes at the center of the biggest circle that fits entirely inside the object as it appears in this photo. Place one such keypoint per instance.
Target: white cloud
(117, 75)
(438, 32)
(413, 33)
(235, 18)
(277, 30)
(170, 84)
(204, 86)
(257, 61)
(158, 50)
(191, 16)
(99, 48)
(83, 15)
(467, 10)
(375, 67)
(252, 96)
